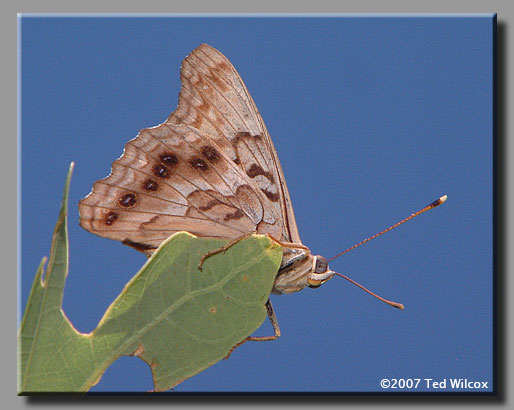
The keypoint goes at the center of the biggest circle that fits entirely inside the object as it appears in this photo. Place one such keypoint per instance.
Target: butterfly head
(320, 272)
(300, 269)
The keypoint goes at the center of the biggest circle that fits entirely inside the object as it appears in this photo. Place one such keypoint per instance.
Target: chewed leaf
(176, 318)
(181, 320)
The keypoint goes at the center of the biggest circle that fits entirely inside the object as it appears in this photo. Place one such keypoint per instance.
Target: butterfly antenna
(390, 303)
(426, 208)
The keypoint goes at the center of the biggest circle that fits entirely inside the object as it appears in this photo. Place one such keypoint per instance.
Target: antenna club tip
(437, 202)
(395, 305)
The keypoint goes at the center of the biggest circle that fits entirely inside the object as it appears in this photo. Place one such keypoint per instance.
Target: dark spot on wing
(169, 158)
(127, 200)
(198, 164)
(210, 153)
(160, 170)
(150, 185)
(110, 217)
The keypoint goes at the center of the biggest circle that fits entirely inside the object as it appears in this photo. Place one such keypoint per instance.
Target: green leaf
(177, 319)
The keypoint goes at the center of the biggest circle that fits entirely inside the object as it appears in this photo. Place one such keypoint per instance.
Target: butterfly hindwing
(170, 179)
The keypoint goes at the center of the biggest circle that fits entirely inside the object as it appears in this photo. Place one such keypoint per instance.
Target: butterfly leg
(222, 249)
(240, 238)
(274, 323)
(288, 244)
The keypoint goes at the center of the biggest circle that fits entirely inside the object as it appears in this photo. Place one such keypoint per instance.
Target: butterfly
(210, 169)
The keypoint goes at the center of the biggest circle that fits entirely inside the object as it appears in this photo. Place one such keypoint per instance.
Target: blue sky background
(372, 118)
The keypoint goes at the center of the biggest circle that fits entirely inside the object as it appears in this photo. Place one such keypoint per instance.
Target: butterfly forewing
(210, 169)
(214, 99)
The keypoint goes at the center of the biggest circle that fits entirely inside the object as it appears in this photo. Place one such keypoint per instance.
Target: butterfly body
(210, 169)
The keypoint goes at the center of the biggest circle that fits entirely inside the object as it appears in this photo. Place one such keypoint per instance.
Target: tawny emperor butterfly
(210, 169)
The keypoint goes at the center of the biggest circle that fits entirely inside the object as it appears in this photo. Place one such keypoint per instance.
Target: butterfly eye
(321, 264)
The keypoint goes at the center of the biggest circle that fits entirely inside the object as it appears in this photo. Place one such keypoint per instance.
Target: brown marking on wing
(217, 207)
(198, 164)
(141, 247)
(207, 200)
(272, 196)
(150, 185)
(211, 77)
(239, 136)
(128, 200)
(210, 153)
(245, 143)
(153, 220)
(211, 204)
(200, 113)
(266, 228)
(255, 170)
(111, 217)
(169, 158)
(237, 214)
(161, 171)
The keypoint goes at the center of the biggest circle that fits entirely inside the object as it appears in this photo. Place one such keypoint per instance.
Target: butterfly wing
(215, 100)
(210, 169)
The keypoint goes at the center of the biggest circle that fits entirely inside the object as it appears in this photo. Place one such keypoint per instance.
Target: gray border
(504, 196)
